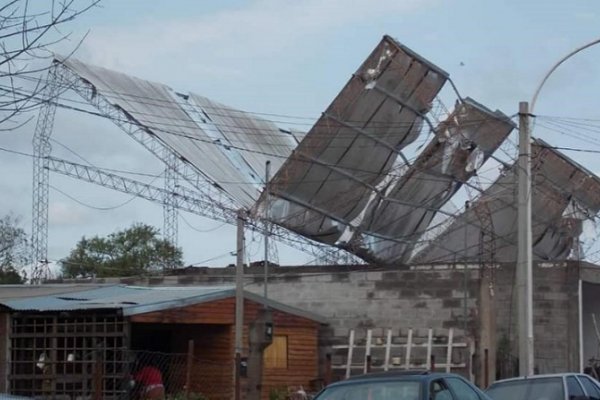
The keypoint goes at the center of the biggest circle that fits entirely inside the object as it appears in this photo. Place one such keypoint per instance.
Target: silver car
(567, 386)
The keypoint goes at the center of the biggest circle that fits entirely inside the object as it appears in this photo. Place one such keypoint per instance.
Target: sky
(291, 58)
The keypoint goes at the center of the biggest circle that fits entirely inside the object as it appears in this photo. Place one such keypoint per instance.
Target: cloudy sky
(291, 58)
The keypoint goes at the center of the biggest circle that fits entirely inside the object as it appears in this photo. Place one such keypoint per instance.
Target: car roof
(389, 374)
(541, 376)
(419, 375)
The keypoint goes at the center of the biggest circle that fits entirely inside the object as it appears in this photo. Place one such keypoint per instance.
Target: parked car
(403, 385)
(546, 387)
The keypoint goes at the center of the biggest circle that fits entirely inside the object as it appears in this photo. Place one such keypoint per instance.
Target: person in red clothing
(150, 383)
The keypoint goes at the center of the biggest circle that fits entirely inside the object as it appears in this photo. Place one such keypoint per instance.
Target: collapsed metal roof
(563, 195)
(228, 146)
(130, 300)
(348, 182)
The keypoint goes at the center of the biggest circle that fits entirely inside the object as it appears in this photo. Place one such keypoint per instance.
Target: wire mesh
(181, 376)
(135, 375)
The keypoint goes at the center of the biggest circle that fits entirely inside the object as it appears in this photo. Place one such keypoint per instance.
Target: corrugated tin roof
(20, 291)
(130, 300)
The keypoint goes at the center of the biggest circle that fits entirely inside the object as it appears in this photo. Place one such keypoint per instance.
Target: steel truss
(186, 200)
(41, 151)
(207, 199)
(170, 217)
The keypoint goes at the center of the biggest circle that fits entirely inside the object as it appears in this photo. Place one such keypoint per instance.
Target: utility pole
(524, 253)
(239, 301)
(267, 207)
(524, 267)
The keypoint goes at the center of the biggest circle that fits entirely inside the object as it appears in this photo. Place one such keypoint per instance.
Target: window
(276, 354)
(573, 387)
(590, 387)
(439, 391)
(525, 389)
(374, 390)
(461, 389)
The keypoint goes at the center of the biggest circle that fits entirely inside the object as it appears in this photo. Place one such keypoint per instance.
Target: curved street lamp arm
(562, 60)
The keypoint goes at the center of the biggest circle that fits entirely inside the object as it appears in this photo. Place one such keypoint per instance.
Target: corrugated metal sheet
(204, 133)
(327, 181)
(127, 298)
(558, 182)
(19, 291)
(131, 300)
(465, 140)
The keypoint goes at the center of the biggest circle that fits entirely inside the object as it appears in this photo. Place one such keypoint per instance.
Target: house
(78, 340)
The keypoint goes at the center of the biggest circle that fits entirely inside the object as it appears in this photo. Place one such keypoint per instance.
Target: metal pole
(267, 207)
(525, 276)
(524, 253)
(239, 299)
(465, 280)
(555, 66)
(188, 369)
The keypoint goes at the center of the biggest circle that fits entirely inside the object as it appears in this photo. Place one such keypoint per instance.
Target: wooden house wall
(301, 333)
(302, 365)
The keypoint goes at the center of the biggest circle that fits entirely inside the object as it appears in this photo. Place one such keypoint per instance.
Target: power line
(201, 230)
(107, 208)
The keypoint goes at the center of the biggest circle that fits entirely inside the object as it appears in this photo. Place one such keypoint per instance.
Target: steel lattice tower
(170, 215)
(41, 152)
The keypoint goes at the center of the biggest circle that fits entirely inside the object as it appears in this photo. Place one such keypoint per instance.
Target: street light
(524, 252)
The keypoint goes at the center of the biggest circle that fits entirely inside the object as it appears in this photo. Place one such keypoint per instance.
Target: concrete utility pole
(524, 252)
(267, 206)
(524, 258)
(239, 300)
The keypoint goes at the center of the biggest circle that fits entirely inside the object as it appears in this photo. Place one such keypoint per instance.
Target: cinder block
(373, 275)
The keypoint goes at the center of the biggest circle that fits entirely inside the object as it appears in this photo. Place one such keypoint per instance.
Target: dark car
(567, 386)
(403, 385)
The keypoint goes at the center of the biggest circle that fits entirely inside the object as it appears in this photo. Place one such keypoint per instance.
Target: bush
(278, 394)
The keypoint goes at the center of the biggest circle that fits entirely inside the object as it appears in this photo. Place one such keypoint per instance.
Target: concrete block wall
(361, 297)
(358, 297)
(555, 314)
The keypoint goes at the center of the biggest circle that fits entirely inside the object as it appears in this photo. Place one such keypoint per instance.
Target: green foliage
(506, 364)
(13, 250)
(134, 251)
(278, 394)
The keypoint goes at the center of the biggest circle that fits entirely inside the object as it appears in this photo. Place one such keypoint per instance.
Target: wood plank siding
(211, 326)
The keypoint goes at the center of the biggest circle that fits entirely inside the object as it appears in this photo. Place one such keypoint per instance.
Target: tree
(134, 251)
(13, 250)
(29, 31)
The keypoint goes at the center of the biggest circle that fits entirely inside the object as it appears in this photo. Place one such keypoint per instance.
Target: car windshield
(373, 390)
(528, 389)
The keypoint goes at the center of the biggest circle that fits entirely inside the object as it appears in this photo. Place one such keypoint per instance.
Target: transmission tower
(170, 215)
(41, 152)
